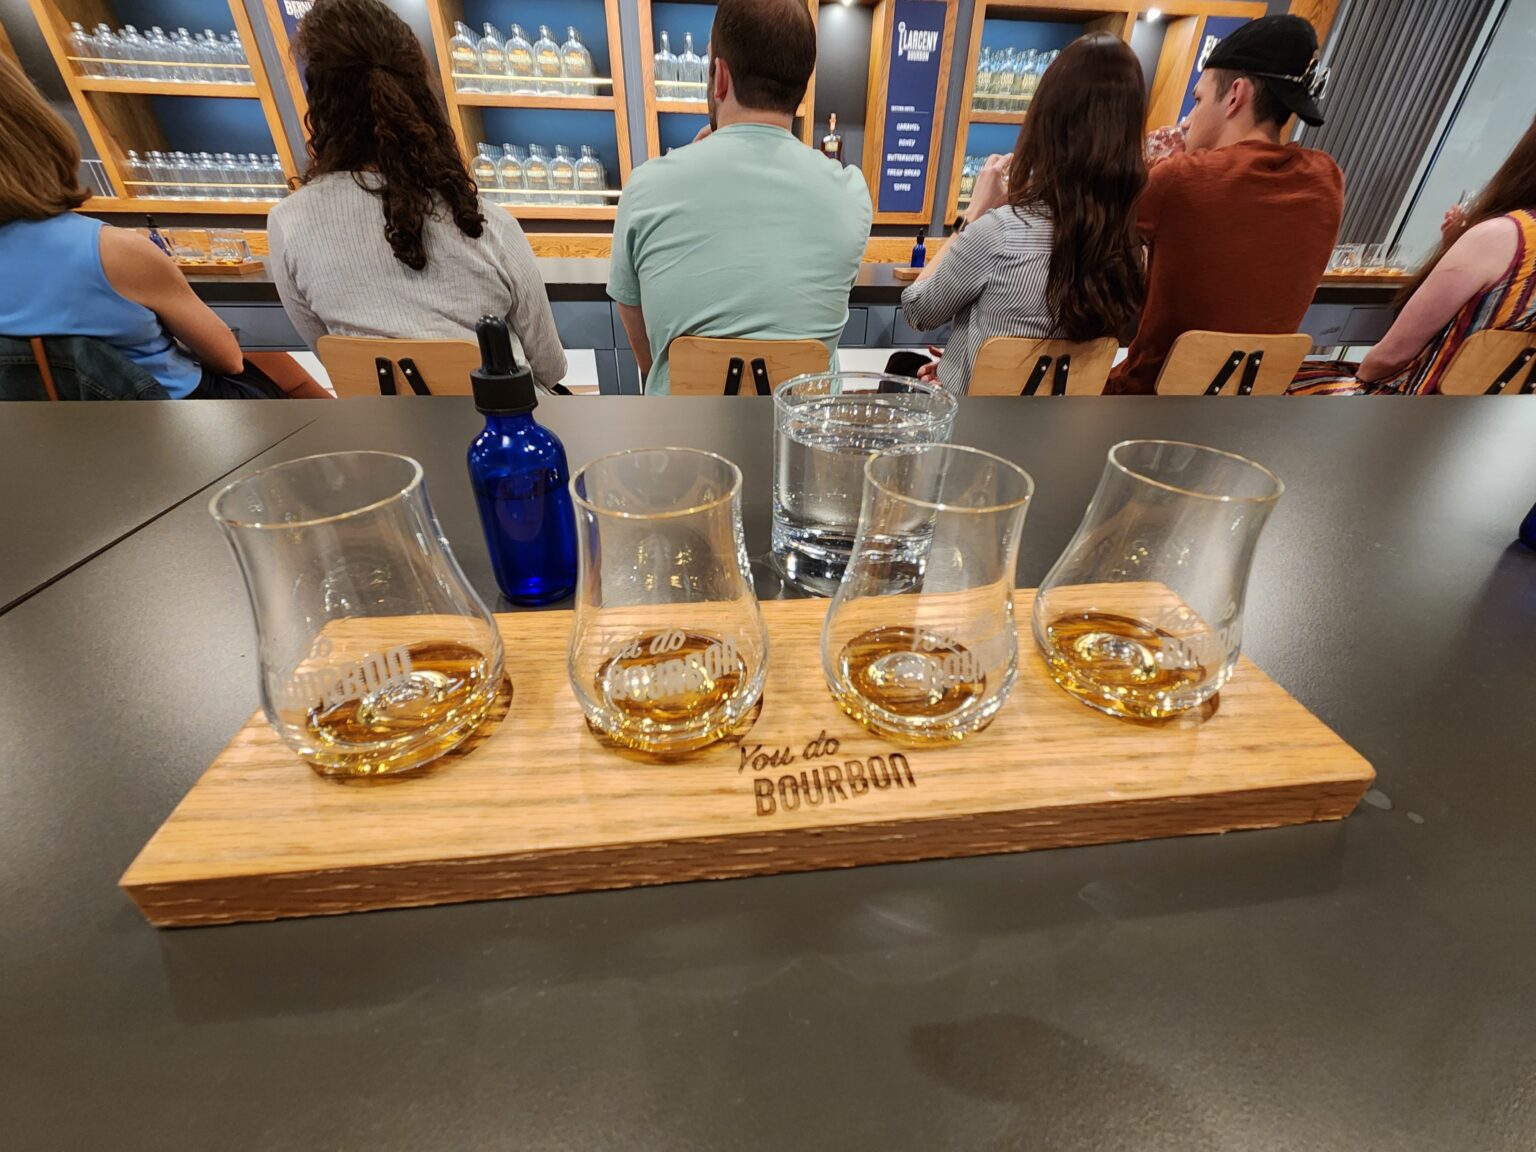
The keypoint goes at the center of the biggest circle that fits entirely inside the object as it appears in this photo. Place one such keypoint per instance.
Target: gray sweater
(336, 275)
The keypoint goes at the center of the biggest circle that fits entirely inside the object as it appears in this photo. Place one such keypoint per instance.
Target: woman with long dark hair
(388, 235)
(1050, 246)
(1483, 275)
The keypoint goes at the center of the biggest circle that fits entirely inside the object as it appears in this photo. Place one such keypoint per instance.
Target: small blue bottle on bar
(1528, 529)
(521, 479)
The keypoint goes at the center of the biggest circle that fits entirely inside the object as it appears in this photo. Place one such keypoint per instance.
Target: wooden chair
(366, 366)
(1018, 366)
(705, 366)
(1490, 363)
(1208, 363)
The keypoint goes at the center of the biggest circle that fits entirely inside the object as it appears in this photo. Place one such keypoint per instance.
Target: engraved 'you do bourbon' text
(828, 782)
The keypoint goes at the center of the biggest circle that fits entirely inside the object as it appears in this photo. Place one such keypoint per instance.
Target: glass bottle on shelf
(464, 56)
(578, 64)
(967, 179)
(519, 62)
(690, 70)
(157, 54)
(109, 51)
(509, 174)
(590, 177)
(276, 178)
(832, 142)
(493, 59)
(136, 172)
(547, 64)
(536, 175)
(666, 71)
(82, 47)
(483, 167)
(984, 66)
(562, 176)
(133, 48)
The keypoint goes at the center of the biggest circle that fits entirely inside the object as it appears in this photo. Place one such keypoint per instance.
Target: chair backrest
(1232, 364)
(706, 366)
(1492, 363)
(1020, 366)
(368, 366)
(71, 368)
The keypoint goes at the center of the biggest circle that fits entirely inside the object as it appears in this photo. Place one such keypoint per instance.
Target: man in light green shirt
(746, 232)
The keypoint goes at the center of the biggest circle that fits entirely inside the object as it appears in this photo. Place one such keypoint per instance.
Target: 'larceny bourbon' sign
(830, 780)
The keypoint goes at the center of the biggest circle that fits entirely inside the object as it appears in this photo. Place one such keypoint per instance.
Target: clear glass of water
(825, 428)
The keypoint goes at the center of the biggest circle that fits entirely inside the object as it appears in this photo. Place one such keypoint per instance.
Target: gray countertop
(1364, 985)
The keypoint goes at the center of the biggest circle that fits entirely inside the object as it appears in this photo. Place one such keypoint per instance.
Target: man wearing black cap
(1239, 226)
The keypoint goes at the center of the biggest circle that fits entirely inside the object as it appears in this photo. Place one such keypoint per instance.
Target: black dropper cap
(502, 385)
(922, 235)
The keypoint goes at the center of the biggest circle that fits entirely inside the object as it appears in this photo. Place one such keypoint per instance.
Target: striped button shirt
(990, 282)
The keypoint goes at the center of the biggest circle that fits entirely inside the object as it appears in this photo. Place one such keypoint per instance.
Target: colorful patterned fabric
(1510, 305)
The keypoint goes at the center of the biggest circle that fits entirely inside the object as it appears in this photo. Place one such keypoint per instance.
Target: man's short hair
(1266, 108)
(770, 47)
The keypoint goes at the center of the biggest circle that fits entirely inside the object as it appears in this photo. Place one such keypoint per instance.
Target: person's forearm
(633, 320)
(932, 263)
(1383, 361)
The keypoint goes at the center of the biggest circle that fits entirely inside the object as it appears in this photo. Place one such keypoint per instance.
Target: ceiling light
(1154, 15)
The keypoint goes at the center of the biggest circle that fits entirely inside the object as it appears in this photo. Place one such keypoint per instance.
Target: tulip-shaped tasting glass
(376, 655)
(1142, 615)
(919, 644)
(668, 651)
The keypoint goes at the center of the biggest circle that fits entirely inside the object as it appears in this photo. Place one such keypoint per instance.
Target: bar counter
(1363, 985)
(1345, 311)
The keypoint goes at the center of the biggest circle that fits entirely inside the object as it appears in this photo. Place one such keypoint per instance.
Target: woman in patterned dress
(1483, 276)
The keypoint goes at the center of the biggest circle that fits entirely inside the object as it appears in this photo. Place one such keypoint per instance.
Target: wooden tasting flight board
(536, 805)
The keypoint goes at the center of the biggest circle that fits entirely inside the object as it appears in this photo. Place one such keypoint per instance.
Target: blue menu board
(912, 92)
(292, 11)
(1217, 29)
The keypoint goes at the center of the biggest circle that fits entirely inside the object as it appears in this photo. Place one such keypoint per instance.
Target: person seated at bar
(746, 232)
(1049, 246)
(388, 236)
(68, 275)
(1240, 225)
(1482, 276)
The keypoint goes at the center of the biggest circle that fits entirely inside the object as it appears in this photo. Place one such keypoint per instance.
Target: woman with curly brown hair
(388, 236)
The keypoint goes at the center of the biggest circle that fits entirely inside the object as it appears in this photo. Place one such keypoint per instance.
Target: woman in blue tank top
(62, 274)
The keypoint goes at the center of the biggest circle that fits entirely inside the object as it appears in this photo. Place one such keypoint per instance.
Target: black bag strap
(386, 374)
(1250, 372)
(1032, 385)
(760, 377)
(733, 372)
(1059, 384)
(1219, 381)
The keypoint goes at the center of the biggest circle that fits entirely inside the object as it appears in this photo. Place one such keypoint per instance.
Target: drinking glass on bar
(919, 644)
(668, 650)
(825, 428)
(1142, 615)
(376, 656)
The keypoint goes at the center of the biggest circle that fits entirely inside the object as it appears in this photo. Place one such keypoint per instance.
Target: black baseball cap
(1283, 51)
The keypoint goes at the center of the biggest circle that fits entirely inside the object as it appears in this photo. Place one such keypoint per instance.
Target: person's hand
(1453, 222)
(991, 190)
(704, 133)
(1163, 143)
(930, 372)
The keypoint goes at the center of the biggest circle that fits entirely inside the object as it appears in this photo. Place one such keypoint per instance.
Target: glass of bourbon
(919, 644)
(1142, 615)
(668, 650)
(377, 657)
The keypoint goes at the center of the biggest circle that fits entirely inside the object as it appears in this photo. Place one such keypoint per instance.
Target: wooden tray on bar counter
(244, 268)
(537, 805)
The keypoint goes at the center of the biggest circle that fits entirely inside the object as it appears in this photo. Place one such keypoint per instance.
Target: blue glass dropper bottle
(521, 479)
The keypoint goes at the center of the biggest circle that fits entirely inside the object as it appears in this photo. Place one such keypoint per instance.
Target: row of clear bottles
(1006, 79)
(491, 63)
(968, 173)
(682, 77)
(204, 176)
(515, 175)
(183, 58)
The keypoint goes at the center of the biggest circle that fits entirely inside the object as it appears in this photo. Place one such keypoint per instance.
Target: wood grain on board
(540, 806)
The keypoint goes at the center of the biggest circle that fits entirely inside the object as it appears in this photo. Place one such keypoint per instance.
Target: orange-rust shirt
(1239, 240)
